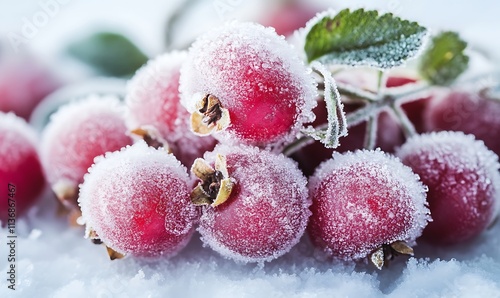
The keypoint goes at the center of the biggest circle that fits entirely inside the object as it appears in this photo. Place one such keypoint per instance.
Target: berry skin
(264, 213)
(363, 202)
(289, 16)
(247, 83)
(463, 180)
(19, 165)
(153, 101)
(76, 134)
(24, 82)
(136, 201)
(469, 112)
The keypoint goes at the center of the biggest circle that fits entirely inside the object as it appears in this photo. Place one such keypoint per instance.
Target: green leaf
(110, 53)
(444, 60)
(363, 38)
(337, 125)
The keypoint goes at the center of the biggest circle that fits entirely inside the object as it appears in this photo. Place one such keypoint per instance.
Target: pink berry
(153, 101)
(76, 134)
(136, 201)
(289, 16)
(248, 83)
(463, 180)
(364, 203)
(470, 112)
(19, 166)
(258, 205)
(24, 82)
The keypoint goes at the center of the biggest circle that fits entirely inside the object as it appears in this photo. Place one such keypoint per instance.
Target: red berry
(248, 83)
(136, 201)
(264, 209)
(469, 112)
(463, 180)
(76, 134)
(365, 201)
(153, 101)
(19, 166)
(288, 17)
(24, 82)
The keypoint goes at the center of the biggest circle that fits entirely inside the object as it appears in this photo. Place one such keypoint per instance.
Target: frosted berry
(366, 204)
(20, 167)
(136, 201)
(289, 16)
(470, 112)
(24, 82)
(76, 134)
(257, 205)
(463, 180)
(153, 103)
(247, 83)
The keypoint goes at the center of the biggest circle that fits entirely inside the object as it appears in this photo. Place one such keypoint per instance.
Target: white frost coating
(18, 139)
(137, 200)
(222, 61)
(153, 100)
(460, 153)
(152, 93)
(398, 190)
(91, 124)
(267, 212)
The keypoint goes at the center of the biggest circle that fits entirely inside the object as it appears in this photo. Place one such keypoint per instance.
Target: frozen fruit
(463, 180)
(136, 201)
(153, 102)
(21, 174)
(24, 82)
(366, 203)
(248, 84)
(467, 111)
(257, 205)
(289, 16)
(78, 132)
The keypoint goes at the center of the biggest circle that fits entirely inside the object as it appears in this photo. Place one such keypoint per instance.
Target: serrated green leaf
(363, 38)
(110, 53)
(444, 60)
(337, 125)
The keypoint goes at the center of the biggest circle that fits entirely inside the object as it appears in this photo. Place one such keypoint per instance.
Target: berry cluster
(244, 113)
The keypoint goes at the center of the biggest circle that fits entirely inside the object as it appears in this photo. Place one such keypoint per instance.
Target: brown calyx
(215, 186)
(381, 256)
(210, 116)
(67, 196)
(113, 254)
(152, 137)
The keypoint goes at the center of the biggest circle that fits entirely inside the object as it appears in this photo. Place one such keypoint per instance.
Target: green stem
(371, 133)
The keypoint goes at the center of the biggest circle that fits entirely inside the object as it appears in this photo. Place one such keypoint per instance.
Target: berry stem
(350, 91)
(371, 133)
(406, 125)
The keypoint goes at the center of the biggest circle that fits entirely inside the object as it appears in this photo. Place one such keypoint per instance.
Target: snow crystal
(79, 131)
(227, 62)
(137, 201)
(267, 211)
(17, 139)
(352, 180)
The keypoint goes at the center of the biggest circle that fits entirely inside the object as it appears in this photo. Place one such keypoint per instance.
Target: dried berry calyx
(215, 186)
(152, 137)
(209, 116)
(113, 254)
(387, 252)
